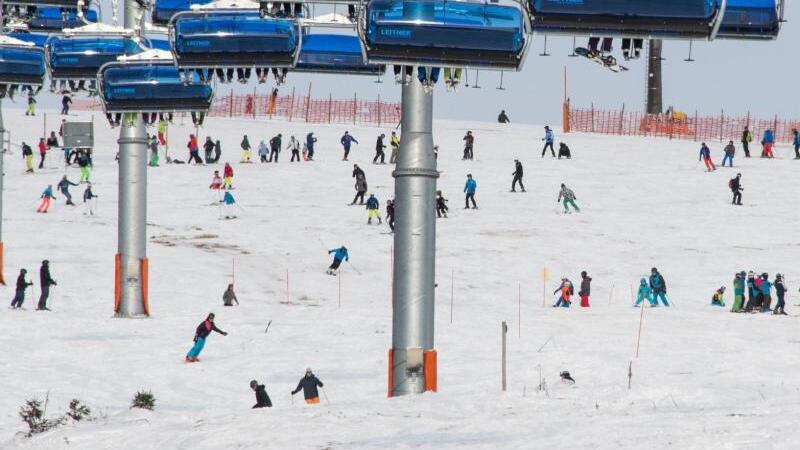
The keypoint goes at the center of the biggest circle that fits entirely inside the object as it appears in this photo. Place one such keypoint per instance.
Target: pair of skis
(608, 62)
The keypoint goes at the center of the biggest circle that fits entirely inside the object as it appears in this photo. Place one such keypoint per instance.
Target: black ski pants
(470, 196)
(43, 297)
(552, 151)
(295, 154)
(746, 148)
(517, 179)
(359, 196)
(379, 154)
(737, 197)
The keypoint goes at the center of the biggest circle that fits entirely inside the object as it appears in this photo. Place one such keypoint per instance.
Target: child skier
(22, 285)
(309, 384)
(716, 299)
(659, 287)
(373, 209)
(88, 195)
(569, 198)
(738, 292)
(644, 293)
(229, 203)
(390, 214)
(42, 152)
(780, 291)
(339, 254)
(705, 156)
(565, 291)
(200, 335)
(767, 142)
(441, 205)
(245, 144)
(216, 181)
(469, 189)
(44, 205)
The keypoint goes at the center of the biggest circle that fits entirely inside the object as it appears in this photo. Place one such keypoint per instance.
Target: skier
(452, 78)
(153, 151)
(469, 188)
(747, 138)
(441, 205)
(503, 118)
(780, 291)
(216, 181)
(229, 203)
(346, 141)
(262, 399)
(208, 146)
(517, 176)
(217, 151)
(373, 209)
(766, 288)
(310, 140)
(88, 195)
(19, 294)
(563, 151)
(200, 335)
(752, 292)
(705, 156)
(394, 141)
(469, 143)
(194, 150)
(796, 142)
(339, 254)
(46, 196)
(767, 141)
(730, 150)
(361, 185)
(228, 297)
(569, 198)
(42, 152)
(379, 146)
(31, 111)
(63, 187)
(275, 147)
(245, 144)
(585, 291)
(263, 151)
(716, 299)
(227, 174)
(738, 292)
(27, 154)
(83, 163)
(735, 185)
(65, 102)
(162, 131)
(390, 214)
(564, 290)
(309, 385)
(644, 293)
(294, 146)
(548, 141)
(659, 287)
(45, 281)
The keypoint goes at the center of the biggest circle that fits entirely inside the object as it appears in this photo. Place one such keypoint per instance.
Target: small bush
(144, 400)
(33, 415)
(78, 411)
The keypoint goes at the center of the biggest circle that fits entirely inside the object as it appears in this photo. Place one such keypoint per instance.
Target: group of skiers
(652, 289)
(753, 293)
(45, 281)
(63, 186)
(566, 290)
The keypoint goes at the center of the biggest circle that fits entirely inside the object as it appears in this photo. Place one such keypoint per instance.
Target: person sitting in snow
(716, 299)
(216, 182)
(262, 399)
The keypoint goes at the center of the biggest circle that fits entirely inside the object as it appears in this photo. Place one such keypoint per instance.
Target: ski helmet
(253, 384)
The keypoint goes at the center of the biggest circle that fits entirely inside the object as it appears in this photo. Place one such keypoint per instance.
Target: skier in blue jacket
(347, 140)
(548, 141)
(373, 209)
(229, 203)
(469, 188)
(659, 287)
(766, 287)
(339, 254)
(310, 140)
(796, 142)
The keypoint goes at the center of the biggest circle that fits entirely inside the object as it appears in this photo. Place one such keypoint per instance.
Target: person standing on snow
(394, 141)
(200, 336)
(548, 141)
(27, 154)
(19, 294)
(275, 147)
(162, 131)
(796, 143)
(441, 205)
(379, 146)
(45, 281)
(46, 196)
(194, 150)
(780, 291)
(339, 254)
(263, 151)
(569, 198)
(469, 143)
(373, 209)
(310, 140)
(644, 293)
(63, 187)
(766, 289)
(83, 163)
(229, 203)
(65, 102)
(216, 181)
(88, 195)
(309, 385)
(469, 189)
(217, 151)
(245, 144)
(208, 147)
(31, 111)
(262, 399)
(227, 174)
(360, 186)
(517, 176)
(705, 156)
(390, 214)
(346, 141)
(586, 282)
(228, 297)
(747, 138)
(565, 291)
(752, 292)
(42, 152)
(503, 118)
(659, 287)
(738, 292)
(153, 151)
(730, 150)
(294, 146)
(767, 141)
(735, 184)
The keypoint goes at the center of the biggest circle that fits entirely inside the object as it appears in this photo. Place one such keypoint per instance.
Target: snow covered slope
(705, 378)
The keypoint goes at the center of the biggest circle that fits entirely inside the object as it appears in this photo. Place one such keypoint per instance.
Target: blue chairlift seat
(144, 86)
(334, 53)
(750, 19)
(22, 65)
(165, 9)
(37, 39)
(51, 19)
(444, 33)
(681, 19)
(233, 39)
(80, 57)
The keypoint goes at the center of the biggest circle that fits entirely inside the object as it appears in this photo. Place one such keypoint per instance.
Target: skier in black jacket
(441, 205)
(200, 335)
(262, 399)
(19, 295)
(309, 385)
(735, 184)
(275, 147)
(379, 146)
(45, 281)
(208, 146)
(390, 214)
(517, 176)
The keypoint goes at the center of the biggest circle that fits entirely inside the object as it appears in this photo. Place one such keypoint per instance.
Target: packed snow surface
(704, 378)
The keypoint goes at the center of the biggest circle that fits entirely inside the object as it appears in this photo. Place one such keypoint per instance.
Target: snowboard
(608, 62)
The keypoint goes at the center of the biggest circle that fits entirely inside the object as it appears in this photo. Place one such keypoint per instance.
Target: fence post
(291, 107)
(721, 121)
(255, 103)
(330, 105)
(355, 107)
(748, 119)
(308, 101)
(379, 109)
(230, 105)
(775, 128)
(621, 119)
(695, 125)
(591, 118)
(565, 125)
(504, 331)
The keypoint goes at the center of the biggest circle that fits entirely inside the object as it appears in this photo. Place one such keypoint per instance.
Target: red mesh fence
(675, 125)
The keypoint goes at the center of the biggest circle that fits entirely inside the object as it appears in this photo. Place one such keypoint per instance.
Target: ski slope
(704, 378)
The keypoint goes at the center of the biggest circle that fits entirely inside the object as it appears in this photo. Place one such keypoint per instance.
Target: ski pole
(354, 267)
(326, 396)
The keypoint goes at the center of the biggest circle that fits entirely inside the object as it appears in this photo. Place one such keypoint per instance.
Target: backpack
(731, 183)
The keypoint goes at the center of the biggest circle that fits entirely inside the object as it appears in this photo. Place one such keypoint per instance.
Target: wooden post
(379, 109)
(721, 121)
(503, 332)
(330, 105)
(255, 104)
(545, 276)
(695, 125)
(591, 118)
(621, 119)
(308, 101)
(291, 107)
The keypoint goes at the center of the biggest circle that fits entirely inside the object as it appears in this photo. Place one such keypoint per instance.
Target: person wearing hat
(563, 150)
(46, 196)
(227, 176)
(738, 291)
(517, 176)
(752, 291)
(275, 147)
(216, 181)
(379, 153)
(262, 399)
(469, 189)
(19, 295)
(659, 287)
(200, 335)
(441, 205)
(88, 195)
(339, 254)
(780, 291)
(586, 289)
(569, 198)
(294, 146)
(766, 288)
(45, 281)
(245, 145)
(228, 297)
(469, 143)
(565, 291)
(548, 141)
(346, 141)
(644, 293)
(394, 141)
(716, 299)
(309, 385)
(373, 209)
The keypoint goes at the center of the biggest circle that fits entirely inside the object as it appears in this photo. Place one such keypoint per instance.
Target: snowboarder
(738, 292)
(228, 297)
(346, 141)
(208, 147)
(227, 176)
(747, 138)
(394, 141)
(263, 151)
(548, 141)
(766, 289)
(563, 151)
(46, 196)
(767, 141)
(88, 195)
(469, 189)
(229, 203)
(586, 282)
(705, 156)
(294, 146)
(564, 290)
(373, 209)
(31, 111)
(309, 385)
(45, 281)
(200, 335)
(717, 299)
(569, 198)
(644, 293)
(245, 145)
(310, 140)
(503, 118)
(390, 214)
(275, 147)
(469, 143)
(42, 152)
(360, 186)
(780, 291)
(379, 146)
(796, 143)
(339, 254)
(27, 154)
(194, 150)
(262, 399)
(63, 187)
(19, 294)
(441, 205)
(517, 176)
(730, 150)
(65, 102)
(659, 287)
(735, 184)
